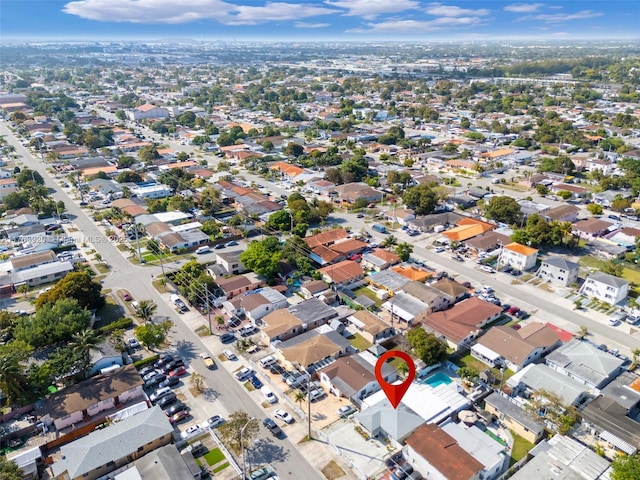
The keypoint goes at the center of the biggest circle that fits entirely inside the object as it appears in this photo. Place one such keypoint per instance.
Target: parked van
(266, 362)
(203, 249)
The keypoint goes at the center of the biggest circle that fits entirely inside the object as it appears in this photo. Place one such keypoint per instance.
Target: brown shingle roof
(343, 271)
(516, 345)
(450, 287)
(591, 225)
(311, 351)
(350, 372)
(372, 324)
(279, 322)
(389, 257)
(327, 237)
(443, 452)
(233, 283)
(24, 261)
(561, 211)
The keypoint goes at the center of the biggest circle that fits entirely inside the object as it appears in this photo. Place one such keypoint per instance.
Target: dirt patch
(194, 391)
(332, 471)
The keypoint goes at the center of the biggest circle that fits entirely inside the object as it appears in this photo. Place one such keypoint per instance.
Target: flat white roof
(171, 216)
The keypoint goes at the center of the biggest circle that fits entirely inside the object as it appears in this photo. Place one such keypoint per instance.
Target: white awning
(618, 443)
(485, 352)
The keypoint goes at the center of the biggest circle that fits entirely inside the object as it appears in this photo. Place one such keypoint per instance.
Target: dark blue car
(255, 381)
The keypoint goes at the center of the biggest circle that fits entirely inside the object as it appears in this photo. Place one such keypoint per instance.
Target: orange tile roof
(463, 232)
(326, 237)
(521, 249)
(635, 385)
(498, 153)
(343, 271)
(287, 168)
(412, 273)
(87, 172)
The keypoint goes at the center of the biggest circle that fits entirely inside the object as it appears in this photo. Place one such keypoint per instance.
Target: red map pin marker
(395, 392)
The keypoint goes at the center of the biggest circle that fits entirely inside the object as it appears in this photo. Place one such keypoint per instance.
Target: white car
(247, 330)
(316, 395)
(212, 422)
(283, 415)
(192, 430)
(614, 322)
(229, 354)
(133, 343)
(487, 268)
(243, 373)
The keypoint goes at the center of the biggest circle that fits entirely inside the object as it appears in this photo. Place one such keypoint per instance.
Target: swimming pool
(438, 379)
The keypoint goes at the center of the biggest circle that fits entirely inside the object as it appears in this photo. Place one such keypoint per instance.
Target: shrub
(145, 361)
(118, 324)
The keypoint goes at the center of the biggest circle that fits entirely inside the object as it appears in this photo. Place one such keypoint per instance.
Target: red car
(178, 372)
(126, 297)
(179, 417)
(513, 310)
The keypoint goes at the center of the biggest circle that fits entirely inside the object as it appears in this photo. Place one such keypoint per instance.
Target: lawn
(369, 294)
(359, 342)
(102, 268)
(221, 467)
(471, 362)
(520, 448)
(332, 471)
(111, 312)
(214, 456)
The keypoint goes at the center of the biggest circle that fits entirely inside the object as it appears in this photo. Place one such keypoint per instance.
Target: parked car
(255, 381)
(233, 322)
(191, 431)
(487, 268)
(268, 361)
(179, 417)
(247, 330)
(513, 310)
(263, 473)
(126, 297)
(229, 354)
(402, 472)
(178, 372)
(227, 337)
(232, 243)
(163, 360)
(316, 395)
(457, 258)
(269, 396)
(344, 412)
(273, 427)
(515, 273)
(158, 394)
(178, 407)
(133, 343)
(243, 373)
(283, 415)
(521, 314)
(146, 371)
(167, 401)
(154, 381)
(212, 422)
(169, 382)
(277, 369)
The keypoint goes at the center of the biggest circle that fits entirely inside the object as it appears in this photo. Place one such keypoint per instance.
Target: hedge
(145, 361)
(123, 323)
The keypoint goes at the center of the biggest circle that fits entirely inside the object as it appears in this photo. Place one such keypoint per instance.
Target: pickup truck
(208, 361)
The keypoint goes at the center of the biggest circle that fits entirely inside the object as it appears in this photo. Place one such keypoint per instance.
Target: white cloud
(417, 26)
(523, 7)
(370, 9)
(273, 11)
(440, 10)
(564, 17)
(171, 11)
(311, 25)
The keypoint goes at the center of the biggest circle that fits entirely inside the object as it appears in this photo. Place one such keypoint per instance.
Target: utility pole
(309, 405)
(135, 225)
(206, 299)
(244, 465)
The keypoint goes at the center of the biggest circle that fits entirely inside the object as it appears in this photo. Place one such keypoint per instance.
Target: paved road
(137, 279)
(548, 305)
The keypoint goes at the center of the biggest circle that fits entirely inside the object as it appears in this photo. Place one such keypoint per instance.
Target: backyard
(520, 448)
(367, 292)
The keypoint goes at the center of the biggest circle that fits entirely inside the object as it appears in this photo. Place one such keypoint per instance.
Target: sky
(370, 20)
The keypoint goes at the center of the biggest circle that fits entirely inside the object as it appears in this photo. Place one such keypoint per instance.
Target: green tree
(594, 209)
(389, 241)
(422, 198)
(76, 285)
(504, 209)
(612, 267)
(23, 289)
(239, 427)
(82, 344)
(150, 335)
(542, 189)
(404, 251)
(148, 153)
(154, 247)
(262, 257)
(626, 467)
(28, 177)
(281, 221)
(145, 311)
(294, 149)
(565, 195)
(426, 346)
(52, 323)
(12, 377)
(9, 470)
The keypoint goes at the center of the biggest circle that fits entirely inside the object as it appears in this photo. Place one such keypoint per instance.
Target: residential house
(558, 271)
(436, 454)
(400, 215)
(164, 463)
(30, 462)
(526, 382)
(350, 192)
(91, 397)
(451, 289)
(31, 260)
(343, 273)
(354, 378)
(313, 313)
(607, 197)
(314, 288)
(113, 447)
(174, 241)
(106, 357)
(591, 228)
(492, 454)
(518, 256)
(388, 281)
(326, 238)
(626, 237)
(515, 349)
(517, 419)
(239, 284)
(487, 242)
(7, 186)
(280, 326)
(42, 274)
(562, 213)
(434, 298)
(404, 307)
(428, 222)
(459, 325)
(230, 261)
(576, 191)
(467, 228)
(606, 288)
(388, 423)
(371, 327)
(563, 458)
(585, 363)
(379, 259)
(313, 349)
(256, 304)
(412, 272)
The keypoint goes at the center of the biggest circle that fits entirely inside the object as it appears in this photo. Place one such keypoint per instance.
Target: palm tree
(197, 382)
(145, 310)
(162, 282)
(389, 241)
(300, 397)
(23, 289)
(83, 343)
(582, 332)
(636, 354)
(12, 378)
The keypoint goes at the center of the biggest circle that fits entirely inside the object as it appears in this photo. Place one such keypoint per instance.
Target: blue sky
(314, 20)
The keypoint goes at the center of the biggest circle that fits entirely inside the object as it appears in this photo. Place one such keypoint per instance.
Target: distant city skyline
(339, 20)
